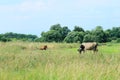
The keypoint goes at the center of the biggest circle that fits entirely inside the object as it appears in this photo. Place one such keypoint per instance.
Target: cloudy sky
(35, 16)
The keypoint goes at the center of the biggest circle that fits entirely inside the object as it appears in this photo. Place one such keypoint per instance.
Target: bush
(118, 40)
(5, 39)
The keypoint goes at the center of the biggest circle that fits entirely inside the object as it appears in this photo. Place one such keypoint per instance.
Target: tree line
(10, 36)
(57, 33)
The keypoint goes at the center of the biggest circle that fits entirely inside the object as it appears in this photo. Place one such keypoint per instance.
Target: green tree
(51, 36)
(16, 36)
(79, 29)
(118, 40)
(56, 34)
(74, 36)
(99, 35)
(115, 32)
(56, 27)
(64, 32)
(88, 38)
(108, 35)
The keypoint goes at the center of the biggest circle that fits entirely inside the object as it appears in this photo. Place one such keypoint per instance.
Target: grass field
(24, 61)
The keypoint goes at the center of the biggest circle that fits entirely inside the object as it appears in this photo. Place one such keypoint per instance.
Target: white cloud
(41, 5)
(83, 8)
(23, 17)
(23, 10)
(31, 6)
(25, 6)
(93, 2)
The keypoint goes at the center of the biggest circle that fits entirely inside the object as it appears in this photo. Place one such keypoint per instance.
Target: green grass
(110, 48)
(24, 61)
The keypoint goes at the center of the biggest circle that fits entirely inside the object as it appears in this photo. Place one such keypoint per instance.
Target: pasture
(61, 61)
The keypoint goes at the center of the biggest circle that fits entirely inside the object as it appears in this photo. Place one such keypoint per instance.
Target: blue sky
(35, 16)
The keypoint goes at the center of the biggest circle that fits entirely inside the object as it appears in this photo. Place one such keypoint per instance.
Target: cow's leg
(80, 50)
(95, 50)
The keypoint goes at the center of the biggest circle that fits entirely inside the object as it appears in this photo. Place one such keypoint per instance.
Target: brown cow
(88, 46)
(44, 47)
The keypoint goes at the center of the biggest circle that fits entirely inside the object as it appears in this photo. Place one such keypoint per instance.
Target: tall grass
(24, 61)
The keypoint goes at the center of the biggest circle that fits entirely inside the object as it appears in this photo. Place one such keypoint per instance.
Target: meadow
(61, 61)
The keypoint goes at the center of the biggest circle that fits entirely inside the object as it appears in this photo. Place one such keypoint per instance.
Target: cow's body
(88, 46)
(43, 47)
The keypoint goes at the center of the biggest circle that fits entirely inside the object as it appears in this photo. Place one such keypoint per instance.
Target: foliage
(114, 33)
(74, 36)
(56, 27)
(52, 36)
(118, 40)
(64, 32)
(15, 36)
(88, 38)
(99, 35)
(57, 33)
(79, 29)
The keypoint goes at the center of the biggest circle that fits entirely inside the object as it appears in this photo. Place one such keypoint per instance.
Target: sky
(36, 16)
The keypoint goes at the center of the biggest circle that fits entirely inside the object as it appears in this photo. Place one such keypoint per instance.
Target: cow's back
(90, 45)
